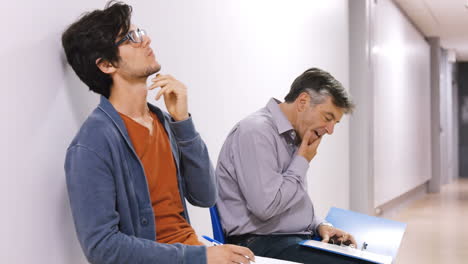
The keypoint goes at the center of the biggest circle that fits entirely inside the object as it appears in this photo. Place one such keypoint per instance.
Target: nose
(330, 127)
(146, 41)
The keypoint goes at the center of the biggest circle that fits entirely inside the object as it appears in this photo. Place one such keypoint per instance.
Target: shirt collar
(106, 106)
(282, 123)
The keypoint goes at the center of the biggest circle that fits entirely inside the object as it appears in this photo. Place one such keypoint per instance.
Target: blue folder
(382, 236)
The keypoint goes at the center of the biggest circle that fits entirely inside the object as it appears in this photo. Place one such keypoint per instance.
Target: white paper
(350, 252)
(264, 260)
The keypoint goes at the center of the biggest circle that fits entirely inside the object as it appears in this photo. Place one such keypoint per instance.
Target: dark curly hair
(319, 84)
(92, 37)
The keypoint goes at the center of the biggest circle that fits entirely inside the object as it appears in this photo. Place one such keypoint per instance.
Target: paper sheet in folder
(382, 236)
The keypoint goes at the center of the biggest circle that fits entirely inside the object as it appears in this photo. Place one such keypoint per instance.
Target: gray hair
(319, 85)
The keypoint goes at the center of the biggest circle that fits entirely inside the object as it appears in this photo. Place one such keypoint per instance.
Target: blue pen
(215, 242)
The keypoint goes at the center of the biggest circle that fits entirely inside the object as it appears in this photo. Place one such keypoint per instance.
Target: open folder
(264, 260)
(378, 239)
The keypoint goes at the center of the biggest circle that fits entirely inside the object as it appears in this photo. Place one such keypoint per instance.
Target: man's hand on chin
(175, 95)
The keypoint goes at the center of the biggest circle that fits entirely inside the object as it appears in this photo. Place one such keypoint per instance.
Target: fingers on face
(161, 80)
(163, 77)
(306, 138)
(158, 95)
(313, 140)
(159, 83)
(316, 142)
(164, 91)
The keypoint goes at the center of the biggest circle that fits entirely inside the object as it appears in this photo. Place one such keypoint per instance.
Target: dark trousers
(286, 247)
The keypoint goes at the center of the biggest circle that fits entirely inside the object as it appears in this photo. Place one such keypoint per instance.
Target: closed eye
(329, 117)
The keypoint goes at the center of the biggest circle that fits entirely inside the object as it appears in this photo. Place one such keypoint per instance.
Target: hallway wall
(232, 55)
(400, 57)
(390, 150)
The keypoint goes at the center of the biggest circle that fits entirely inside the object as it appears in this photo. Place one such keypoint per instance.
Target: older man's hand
(336, 236)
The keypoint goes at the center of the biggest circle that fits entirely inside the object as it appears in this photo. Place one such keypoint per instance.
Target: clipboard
(382, 236)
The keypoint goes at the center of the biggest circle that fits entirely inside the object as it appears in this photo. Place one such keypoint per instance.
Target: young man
(262, 166)
(131, 166)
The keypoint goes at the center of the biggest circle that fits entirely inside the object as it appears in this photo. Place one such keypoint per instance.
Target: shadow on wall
(81, 103)
(81, 99)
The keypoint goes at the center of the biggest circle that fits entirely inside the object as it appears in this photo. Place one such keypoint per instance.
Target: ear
(105, 66)
(302, 101)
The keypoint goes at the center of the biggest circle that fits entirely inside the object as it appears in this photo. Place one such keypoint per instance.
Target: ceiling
(447, 19)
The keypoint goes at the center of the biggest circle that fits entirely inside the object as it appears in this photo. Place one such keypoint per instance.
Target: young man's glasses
(135, 36)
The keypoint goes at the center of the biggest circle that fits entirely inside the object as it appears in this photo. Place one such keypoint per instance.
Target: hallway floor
(437, 230)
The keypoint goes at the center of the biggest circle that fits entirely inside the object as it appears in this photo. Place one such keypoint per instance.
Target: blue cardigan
(109, 195)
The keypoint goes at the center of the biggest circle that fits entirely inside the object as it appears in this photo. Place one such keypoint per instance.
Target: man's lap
(286, 247)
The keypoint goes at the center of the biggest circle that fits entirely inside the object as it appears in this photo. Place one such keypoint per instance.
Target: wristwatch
(326, 224)
(323, 223)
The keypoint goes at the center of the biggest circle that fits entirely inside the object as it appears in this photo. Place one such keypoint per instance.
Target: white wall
(233, 56)
(241, 53)
(449, 153)
(45, 104)
(401, 67)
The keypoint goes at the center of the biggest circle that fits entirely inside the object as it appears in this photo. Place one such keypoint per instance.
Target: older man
(263, 200)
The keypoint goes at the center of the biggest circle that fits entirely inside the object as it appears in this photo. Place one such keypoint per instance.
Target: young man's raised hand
(175, 95)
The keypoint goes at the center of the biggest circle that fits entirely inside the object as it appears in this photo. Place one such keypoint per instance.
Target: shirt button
(293, 134)
(144, 221)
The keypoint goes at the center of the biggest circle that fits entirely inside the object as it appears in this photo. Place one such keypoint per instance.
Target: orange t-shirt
(154, 151)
